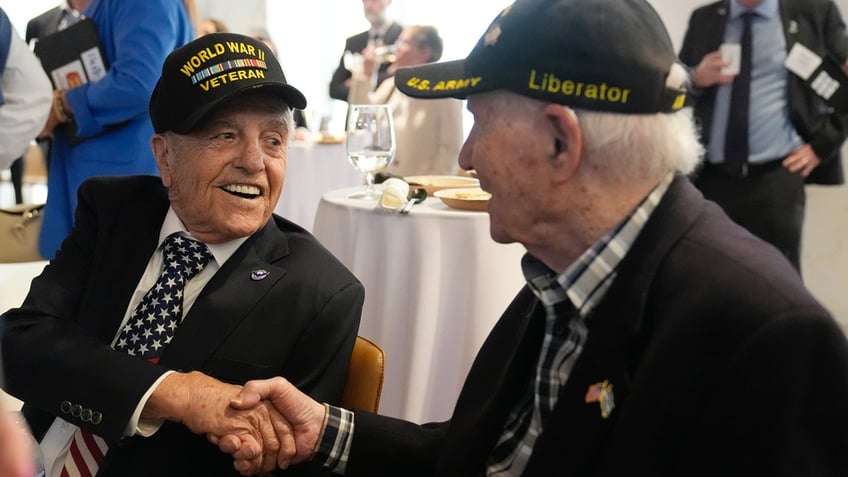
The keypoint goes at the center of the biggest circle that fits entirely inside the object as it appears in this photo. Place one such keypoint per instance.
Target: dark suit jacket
(815, 24)
(356, 44)
(300, 322)
(721, 364)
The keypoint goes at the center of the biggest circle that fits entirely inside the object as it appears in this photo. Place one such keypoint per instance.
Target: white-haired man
(654, 336)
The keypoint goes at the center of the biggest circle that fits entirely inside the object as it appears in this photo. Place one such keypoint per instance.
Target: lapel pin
(793, 27)
(259, 274)
(601, 393)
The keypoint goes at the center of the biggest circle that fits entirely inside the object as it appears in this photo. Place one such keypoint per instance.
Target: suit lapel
(132, 238)
(226, 301)
(617, 333)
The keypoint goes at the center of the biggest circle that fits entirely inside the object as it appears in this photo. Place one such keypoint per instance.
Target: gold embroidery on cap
(443, 85)
(550, 83)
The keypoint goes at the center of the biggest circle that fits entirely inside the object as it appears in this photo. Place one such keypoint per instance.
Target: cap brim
(448, 79)
(291, 95)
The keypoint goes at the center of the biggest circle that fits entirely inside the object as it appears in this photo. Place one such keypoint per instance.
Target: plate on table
(436, 183)
(331, 139)
(473, 198)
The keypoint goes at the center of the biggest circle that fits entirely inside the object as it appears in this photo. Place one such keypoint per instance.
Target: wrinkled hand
(708, 72)
(201, 403)
(304, 415)
(802, 160)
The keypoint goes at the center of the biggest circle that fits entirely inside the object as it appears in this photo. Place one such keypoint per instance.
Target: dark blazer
(300, 322)
(815, 24)
(720, 360)
(44, 24)
(356, 44)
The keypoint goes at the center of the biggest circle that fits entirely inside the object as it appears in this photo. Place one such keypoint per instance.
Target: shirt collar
(766, 9)
(586, 280)
(381, 32)
(220, 251)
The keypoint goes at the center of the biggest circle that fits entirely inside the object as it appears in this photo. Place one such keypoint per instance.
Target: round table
(311, 170)
(435, 284)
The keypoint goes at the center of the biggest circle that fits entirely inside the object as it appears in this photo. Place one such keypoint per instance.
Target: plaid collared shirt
(568, 298)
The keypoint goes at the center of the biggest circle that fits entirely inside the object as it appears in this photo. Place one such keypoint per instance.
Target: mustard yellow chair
(364, 376)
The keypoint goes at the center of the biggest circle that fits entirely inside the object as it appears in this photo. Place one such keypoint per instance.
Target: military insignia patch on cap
(213, 68)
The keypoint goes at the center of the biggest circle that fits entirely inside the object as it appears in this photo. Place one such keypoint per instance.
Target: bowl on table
(436, 183)
(473, 198)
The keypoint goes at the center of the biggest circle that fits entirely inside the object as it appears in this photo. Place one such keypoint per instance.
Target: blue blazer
(137, 35)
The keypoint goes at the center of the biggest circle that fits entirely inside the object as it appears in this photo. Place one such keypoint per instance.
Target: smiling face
(225, 177)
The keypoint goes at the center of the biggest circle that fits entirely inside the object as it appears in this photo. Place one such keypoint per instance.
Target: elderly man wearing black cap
(191, 273)
(654, 337)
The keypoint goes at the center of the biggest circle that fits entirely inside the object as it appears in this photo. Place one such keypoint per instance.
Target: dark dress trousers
(355, 44)
(299, 322)
(720, 361)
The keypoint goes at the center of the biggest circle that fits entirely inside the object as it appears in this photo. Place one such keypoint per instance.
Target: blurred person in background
(784, 135)
(211, 25)
(25, 94)
(429, 133)
(109, 115)
(383, 32)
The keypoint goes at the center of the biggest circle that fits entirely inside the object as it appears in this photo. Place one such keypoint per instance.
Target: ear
(566, 141)
(162, 152)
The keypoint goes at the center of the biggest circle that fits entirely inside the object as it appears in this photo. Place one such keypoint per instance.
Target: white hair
(640, 146)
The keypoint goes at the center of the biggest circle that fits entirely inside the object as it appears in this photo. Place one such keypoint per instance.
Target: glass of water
(370, 143)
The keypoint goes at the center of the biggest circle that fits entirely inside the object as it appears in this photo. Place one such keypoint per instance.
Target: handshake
(264, 425)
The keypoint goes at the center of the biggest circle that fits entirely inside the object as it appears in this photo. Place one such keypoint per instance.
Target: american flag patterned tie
(145, 335)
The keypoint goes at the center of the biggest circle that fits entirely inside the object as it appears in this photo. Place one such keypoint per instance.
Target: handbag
(20, 226)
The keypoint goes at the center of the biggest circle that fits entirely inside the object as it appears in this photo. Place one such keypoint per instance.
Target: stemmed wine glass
(370, 143)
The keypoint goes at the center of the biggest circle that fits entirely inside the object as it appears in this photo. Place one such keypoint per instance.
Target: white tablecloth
(15, 279)
(435, 284)
(313, 169)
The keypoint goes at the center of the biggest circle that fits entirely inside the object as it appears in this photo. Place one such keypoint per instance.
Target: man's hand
(708, 72)
(262, 437)
(802, 160)
(304, 415)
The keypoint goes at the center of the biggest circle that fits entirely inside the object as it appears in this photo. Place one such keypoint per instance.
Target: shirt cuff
(334, 442)
(145, 427)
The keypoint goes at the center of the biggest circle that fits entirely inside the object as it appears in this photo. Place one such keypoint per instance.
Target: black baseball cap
(605, 55)
(197, 76)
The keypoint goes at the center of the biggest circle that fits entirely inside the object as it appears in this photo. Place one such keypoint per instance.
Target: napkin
(395, 192)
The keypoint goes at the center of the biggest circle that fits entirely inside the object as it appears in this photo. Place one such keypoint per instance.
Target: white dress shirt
(28, 95)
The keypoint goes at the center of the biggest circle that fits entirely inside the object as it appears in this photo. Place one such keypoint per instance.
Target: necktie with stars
(155, 318)
(149, 329)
